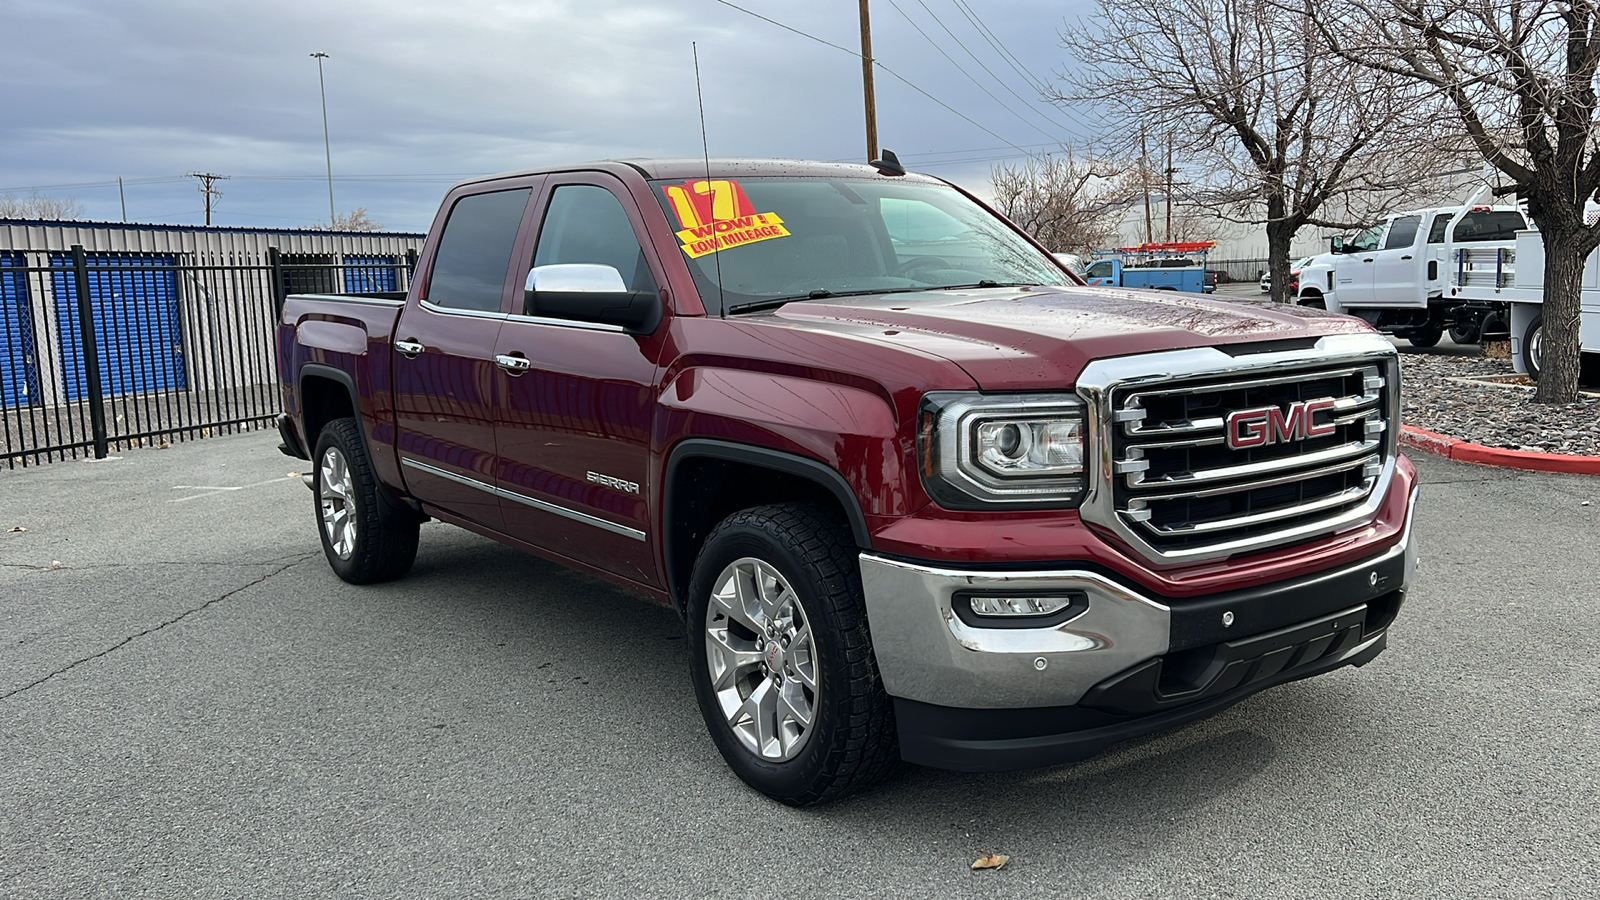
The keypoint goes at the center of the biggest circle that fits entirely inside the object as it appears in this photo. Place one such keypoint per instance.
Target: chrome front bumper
(926, 653)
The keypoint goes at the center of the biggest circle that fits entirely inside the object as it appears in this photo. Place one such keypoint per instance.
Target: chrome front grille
(1175, 488)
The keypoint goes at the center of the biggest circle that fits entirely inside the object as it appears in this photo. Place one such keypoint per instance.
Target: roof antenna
(705, 148)
(889, 164)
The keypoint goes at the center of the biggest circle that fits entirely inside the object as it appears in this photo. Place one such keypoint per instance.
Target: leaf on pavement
(15, 529)
(991, 861)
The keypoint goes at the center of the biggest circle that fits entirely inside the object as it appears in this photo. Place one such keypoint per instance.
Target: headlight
(1016, 450)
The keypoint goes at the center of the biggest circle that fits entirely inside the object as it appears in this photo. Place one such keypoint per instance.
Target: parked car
(913, 497)
(1294, 276)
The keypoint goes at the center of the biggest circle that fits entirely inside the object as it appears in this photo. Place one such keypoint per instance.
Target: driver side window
(1366, 240)
(587, 224)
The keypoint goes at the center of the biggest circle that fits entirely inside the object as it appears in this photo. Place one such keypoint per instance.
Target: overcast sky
(422, 94)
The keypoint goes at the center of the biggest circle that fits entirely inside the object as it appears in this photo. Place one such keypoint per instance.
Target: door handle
(1368, 259)
(409, 348)
(1406, 257)
(516, 365)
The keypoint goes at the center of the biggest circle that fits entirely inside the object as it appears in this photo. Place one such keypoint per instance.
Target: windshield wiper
(985, 283)
(819, 294)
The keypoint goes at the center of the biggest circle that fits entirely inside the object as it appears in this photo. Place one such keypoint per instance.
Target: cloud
(159, 88)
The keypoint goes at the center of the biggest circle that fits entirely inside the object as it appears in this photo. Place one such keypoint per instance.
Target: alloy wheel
(762, 659)
(336, 502)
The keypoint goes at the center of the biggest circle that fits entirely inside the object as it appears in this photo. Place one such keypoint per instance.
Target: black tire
(1425, 337)
(1468, 335)
(1313, 301)
(1533, 346)
(850, 742)
(384, 543)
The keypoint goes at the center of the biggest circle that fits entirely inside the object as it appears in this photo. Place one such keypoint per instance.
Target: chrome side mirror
(575, 278)
(586, 292)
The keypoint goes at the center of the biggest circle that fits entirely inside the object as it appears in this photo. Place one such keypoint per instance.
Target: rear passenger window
(1441, 224)
(587, 224)
(474, 255)
(1403, 233)
(1489, 225)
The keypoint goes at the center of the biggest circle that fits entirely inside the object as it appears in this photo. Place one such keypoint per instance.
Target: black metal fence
(104, 352)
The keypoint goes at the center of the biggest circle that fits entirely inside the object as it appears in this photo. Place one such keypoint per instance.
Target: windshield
(799, 238)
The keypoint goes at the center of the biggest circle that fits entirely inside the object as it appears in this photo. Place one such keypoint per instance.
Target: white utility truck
(1406, 275)
(1524, 293)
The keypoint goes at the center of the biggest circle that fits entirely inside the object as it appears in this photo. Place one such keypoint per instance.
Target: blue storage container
(136, 323)
(370, 274)
(19, 369)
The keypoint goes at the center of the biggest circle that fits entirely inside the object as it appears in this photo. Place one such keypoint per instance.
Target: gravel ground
(1491, 415)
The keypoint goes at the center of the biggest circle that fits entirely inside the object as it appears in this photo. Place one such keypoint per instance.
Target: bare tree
(1062, 202)
(1519, 78)
(354, 220)
(1267, 125)
(39, 207)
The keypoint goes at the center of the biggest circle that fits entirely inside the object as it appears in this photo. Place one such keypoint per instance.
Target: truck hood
(1042, 337)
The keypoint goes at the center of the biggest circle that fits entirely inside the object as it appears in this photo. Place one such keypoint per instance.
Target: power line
(1011, 60)
(81, 185)
(896, 75)
(999, 47)
(963, 71)
(1026, 102)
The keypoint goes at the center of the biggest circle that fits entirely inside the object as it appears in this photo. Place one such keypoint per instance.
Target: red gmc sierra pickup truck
(916, 491)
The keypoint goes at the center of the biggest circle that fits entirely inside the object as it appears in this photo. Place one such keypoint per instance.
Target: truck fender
(847, 425)
(778, 461)
(1522, 317)
(338, 376)
(390, 493)
(680, 547)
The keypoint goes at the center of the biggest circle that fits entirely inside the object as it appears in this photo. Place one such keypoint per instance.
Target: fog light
(1019, 606)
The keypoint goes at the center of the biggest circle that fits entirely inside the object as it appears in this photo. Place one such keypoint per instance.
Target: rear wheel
(1425, 337)
(365, 539)
(1468, 334)
(1533, 346)
(781, 659)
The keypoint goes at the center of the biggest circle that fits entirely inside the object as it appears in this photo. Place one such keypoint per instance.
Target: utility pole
(866, 83)
(327, 151)
(123, 197)
(1144, 176)
(1169, 188)
(207, 187)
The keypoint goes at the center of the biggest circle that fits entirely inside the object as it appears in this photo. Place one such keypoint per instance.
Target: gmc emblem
(1271, 425)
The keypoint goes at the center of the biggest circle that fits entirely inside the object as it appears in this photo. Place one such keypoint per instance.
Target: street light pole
(327, 151)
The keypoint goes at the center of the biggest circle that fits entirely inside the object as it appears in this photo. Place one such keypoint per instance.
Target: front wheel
(781, 659)
(364, 539)
(1533, 346)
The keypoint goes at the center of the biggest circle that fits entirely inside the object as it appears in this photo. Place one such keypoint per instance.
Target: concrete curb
(1463, 451)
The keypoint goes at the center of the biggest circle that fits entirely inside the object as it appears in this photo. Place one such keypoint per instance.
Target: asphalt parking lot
(192, 705)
